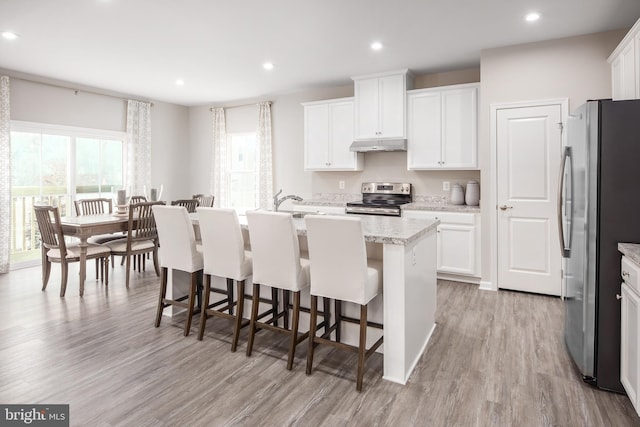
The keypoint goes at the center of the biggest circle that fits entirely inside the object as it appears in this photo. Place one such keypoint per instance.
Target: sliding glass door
(56, 165)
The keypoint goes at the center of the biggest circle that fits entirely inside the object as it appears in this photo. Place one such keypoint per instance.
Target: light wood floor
(495, 359)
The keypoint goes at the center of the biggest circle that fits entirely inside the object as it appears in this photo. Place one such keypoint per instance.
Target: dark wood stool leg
(294, 328)
(362, 347)
(230, 295)
(326, 308)
(338, 316)
(106, 271)
(312, 332)
(163, 294)
(190, 301)
(274, 304)
(238, 321)
(97, 268)
(203, 310)
(285, 304)
(255, 301)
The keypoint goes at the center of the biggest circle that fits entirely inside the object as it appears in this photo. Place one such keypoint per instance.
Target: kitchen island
(408, 251)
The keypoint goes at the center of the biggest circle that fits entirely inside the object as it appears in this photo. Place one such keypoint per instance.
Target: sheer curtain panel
(138, 146)
(264, 195)
(5, 176)
(219, 160)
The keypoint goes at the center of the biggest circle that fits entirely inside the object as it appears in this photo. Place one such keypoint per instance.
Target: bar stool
(340, 271)
(224, 256)
(277, 264)
(178, 251)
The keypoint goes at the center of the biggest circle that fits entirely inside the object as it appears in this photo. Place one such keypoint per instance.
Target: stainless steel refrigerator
(599, 206)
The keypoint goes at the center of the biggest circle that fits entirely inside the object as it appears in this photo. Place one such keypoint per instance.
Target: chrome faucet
(277, 202)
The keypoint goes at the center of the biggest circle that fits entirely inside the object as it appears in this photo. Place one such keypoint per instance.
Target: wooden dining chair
(142, 237)
(190, 204)
(96, 206)
(204, 201)
(137, 199)
(55, 249)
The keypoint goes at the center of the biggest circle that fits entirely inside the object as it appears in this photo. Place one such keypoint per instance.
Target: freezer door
(579, 322)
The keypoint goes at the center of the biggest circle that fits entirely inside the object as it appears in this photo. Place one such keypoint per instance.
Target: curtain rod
(242, 105)
(76, 90)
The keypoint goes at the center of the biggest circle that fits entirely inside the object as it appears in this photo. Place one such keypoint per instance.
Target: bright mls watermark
(34, 415)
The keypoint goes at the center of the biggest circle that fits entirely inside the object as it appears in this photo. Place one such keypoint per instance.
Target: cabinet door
(616, 79)
(459, 128)
(636, 42)
(629, 71)
(629, 349)
(424, 131)
(367, 113)
(392, 101)
(456, 249)
(316, 136)
(341, 136)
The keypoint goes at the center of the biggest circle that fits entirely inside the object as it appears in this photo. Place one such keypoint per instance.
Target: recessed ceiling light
(180, 82)
(267, 66)
(9, 35)
(531, 17)
(376, 45)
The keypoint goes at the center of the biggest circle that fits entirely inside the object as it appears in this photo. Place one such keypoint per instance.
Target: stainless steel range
(382, 198)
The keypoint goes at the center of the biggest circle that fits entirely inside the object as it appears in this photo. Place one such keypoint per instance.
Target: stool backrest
(337, 257)
(222, 242)
(275, 250)
(177, 239)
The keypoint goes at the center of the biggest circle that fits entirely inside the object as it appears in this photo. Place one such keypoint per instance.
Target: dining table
(83, 227)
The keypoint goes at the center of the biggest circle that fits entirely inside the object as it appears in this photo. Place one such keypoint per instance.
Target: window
(241, 176)
(56, 165)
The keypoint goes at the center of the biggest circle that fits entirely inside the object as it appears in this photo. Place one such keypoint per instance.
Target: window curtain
(264, 193)
(5, 176)
(219, 158)
(138, 146)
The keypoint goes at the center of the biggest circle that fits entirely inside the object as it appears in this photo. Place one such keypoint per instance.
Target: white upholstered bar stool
(277, 264)
(178, 251)
(341, 271)
(224, 256)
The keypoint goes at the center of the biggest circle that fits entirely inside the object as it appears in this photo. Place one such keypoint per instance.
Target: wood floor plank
(494, 359)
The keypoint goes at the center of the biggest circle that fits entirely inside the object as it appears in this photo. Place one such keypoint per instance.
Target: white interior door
(528, 145)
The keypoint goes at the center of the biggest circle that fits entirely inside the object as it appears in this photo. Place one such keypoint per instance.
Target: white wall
(575, 68)
(43, 103)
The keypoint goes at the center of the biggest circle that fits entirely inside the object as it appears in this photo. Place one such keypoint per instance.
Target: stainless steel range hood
(379, 145)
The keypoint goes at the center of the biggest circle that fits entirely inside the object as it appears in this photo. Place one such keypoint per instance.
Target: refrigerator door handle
(565, 244)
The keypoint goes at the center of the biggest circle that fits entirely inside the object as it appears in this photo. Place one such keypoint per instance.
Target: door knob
(505, 207)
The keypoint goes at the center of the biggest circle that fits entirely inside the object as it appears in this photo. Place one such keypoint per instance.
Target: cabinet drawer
(630, 273)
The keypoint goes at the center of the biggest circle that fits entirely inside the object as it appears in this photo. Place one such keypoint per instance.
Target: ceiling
(141, 47)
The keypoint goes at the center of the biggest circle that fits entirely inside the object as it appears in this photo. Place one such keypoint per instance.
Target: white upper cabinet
(380, 105)
(443, 128)
(625, 66)
(328, 133)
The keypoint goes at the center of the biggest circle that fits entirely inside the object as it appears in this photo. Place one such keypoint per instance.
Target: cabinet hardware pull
(625, 273)
(505, 207)
(618, 296)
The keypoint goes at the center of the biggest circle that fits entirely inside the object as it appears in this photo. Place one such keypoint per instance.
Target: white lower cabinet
(458, 241)
(630, 332)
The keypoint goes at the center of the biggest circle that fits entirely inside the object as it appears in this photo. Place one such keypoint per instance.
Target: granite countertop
(631, 251)
(448, 207)
(376, 229)
(421, 203)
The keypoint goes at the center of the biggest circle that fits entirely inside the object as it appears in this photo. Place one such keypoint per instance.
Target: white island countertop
(382, 229)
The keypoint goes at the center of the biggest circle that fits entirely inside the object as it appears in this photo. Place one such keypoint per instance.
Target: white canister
(472, 196)
(457, 195)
